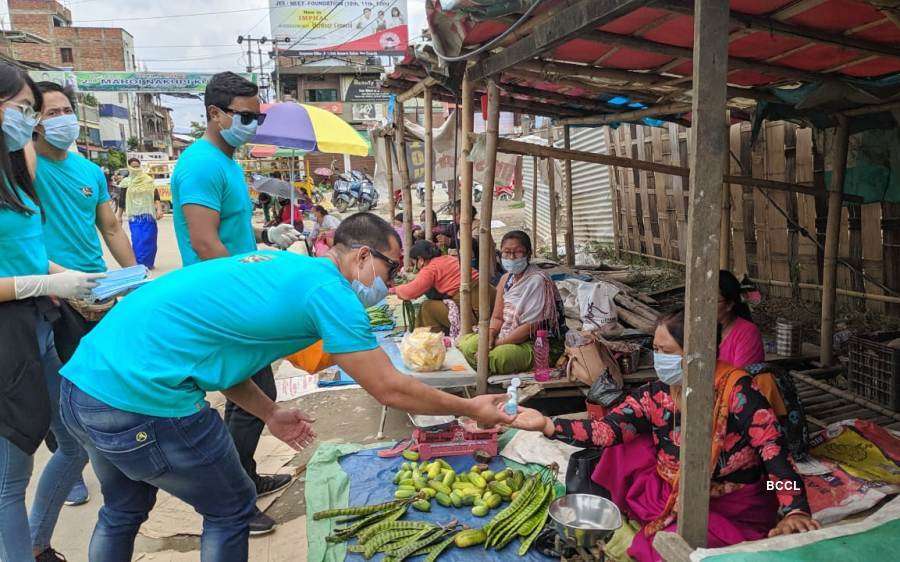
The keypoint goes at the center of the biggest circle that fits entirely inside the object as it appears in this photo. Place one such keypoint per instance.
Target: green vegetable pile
(377, 529)
(380, 315)
(479, 488)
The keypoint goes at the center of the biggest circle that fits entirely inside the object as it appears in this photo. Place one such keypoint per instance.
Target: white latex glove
(66, 285)
(283, 235)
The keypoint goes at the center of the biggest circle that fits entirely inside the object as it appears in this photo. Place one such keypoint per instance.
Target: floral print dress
(753, 446)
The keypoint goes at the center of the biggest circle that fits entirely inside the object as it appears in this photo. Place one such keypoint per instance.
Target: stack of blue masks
(120, 281)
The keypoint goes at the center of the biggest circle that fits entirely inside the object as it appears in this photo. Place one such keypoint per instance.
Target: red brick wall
(93, 48)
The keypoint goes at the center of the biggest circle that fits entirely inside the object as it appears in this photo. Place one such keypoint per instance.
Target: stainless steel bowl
(584, 519)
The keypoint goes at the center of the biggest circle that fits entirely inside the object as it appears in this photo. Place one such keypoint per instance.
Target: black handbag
(578, 474)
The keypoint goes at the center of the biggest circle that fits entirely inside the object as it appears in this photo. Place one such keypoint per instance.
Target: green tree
(116, 159)
(89, 100)
(132, 143)
(197, 129)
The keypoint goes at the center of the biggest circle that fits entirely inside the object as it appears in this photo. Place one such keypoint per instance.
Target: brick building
(60, 44)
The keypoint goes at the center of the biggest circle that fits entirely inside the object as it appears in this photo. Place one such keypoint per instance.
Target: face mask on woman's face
(61, 131)
(17, 128)
(514, 265)
(668, 367)
(370, 295)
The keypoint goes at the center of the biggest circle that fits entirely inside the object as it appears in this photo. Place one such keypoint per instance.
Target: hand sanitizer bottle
(512, 404)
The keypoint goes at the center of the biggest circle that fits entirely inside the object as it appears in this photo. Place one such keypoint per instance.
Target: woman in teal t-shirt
(29, 377)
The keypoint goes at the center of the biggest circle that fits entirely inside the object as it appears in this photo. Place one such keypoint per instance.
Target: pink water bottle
(541, 357)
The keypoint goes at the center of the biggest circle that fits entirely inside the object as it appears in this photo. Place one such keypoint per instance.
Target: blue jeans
(134, 455)
(64, 467)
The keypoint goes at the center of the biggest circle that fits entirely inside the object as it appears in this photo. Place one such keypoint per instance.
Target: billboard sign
(340, 27)
(366, 90)
(368, 112)
(140, 82)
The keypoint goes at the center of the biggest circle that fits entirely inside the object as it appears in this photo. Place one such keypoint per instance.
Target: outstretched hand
(531, 420)
(292, 426)
(487, 410)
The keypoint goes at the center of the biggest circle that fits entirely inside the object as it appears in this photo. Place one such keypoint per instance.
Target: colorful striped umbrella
(309, 128)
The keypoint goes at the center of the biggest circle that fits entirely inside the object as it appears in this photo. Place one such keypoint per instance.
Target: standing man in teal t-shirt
(213, 218)
(144, 420)
(75, 198)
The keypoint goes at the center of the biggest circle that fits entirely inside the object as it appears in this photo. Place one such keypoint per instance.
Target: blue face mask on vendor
(514, 266)
(370, 295)
(668, 367)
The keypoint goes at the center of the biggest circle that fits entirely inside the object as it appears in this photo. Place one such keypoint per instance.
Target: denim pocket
(134, 451)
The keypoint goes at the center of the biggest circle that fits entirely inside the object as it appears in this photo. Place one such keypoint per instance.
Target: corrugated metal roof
(591, 194)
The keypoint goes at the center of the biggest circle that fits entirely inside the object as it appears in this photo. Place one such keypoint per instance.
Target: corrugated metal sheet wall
(591, 194)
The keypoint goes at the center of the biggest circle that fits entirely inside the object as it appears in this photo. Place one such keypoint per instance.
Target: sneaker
(49, 555)
(78, 495)
(266, 485)
(261, 524)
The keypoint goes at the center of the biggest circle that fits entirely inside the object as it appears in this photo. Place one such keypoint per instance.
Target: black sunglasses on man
(247, 117)
(393, 266)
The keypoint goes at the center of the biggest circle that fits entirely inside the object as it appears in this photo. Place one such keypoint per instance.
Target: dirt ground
(348, 415)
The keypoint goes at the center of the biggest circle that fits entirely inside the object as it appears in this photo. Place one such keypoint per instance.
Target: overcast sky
(185, 42)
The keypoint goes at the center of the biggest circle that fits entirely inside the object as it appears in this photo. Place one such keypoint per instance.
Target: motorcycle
(344, 195)
(367, 195)
(504, 192)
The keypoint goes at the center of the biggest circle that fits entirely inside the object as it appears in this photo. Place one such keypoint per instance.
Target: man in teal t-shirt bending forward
(143, 417)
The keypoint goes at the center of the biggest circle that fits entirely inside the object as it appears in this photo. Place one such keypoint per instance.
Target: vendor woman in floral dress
(747, 452)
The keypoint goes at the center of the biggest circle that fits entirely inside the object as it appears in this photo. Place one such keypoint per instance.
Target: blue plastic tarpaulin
(372, 482)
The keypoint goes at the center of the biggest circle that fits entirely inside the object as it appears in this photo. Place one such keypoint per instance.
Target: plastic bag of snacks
(423, 350)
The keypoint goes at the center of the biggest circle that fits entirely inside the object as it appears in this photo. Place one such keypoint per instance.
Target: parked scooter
(344, 196)
(367, 194)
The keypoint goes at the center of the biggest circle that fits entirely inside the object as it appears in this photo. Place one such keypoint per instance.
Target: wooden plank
(552, 202)
(389, 173)
(890, 226)
(725, 225)
(663, 208)
(510, 146)
(644, 190)
(874, 246)
(485, 242)
(854, 227)
(739, 257)
(829, 271)
(400, 124)
(678, 189)
(417, 90)
(674, 108)
(790, 175)
(429, 163)
(749, 219)
(466, 122)
(671, 547)
(710, 62)
(569, 23)
(570, 213)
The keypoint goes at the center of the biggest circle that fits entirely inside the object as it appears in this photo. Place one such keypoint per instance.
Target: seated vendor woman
(438, 278)
(527, 301)
(747, 453)
(740, 343)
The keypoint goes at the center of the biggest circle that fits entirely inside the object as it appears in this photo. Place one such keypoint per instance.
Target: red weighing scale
(445, 436)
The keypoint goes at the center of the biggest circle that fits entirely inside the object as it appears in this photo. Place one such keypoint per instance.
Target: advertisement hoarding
(140, 82)
(366, 90)
(340, 27)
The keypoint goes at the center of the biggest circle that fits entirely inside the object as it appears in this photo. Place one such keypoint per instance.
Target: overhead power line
(190, 15)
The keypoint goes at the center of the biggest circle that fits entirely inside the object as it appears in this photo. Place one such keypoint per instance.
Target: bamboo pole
(570, 213)
(832, 239)
(417, 90)
(534, 200)
(389, 172)
(710, 63)
(725, 231)
(429, 165)
(400, 124)
(510, 146)
(552, 202)
(654, 111)
(465, 120)
(484, 239)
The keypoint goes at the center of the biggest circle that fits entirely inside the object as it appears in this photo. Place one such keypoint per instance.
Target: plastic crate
(874, 372)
